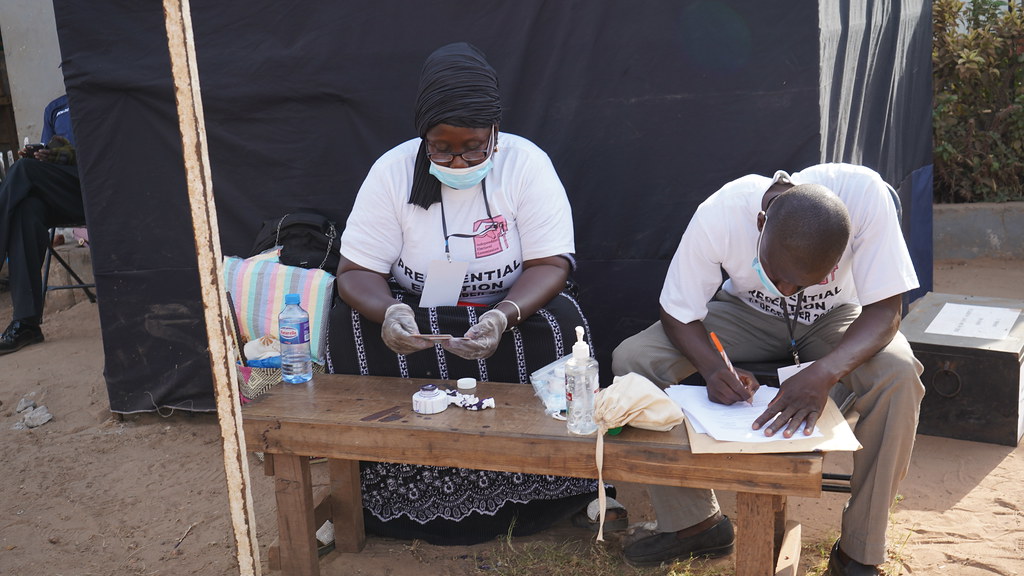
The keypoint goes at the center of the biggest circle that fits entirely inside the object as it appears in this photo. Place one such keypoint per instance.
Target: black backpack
(307, 240)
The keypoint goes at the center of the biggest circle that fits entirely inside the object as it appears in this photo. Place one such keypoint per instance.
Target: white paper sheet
(729, 423)
(986, 322)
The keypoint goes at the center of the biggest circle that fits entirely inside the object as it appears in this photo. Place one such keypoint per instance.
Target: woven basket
(252, 382)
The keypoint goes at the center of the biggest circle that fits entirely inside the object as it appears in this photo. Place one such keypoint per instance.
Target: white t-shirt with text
(527, 216)
(723, 235)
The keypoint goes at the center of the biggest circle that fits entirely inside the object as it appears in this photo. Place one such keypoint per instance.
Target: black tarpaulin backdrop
(645, 109)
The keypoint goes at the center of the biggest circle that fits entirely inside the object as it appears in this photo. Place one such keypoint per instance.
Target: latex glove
(399, 330)
(482, 339)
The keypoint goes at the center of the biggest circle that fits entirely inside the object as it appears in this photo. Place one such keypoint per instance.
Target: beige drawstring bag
(631, 399)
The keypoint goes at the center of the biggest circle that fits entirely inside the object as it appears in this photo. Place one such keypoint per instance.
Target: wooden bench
(353, 418)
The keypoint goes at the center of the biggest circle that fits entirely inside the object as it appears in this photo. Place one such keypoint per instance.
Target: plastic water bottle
(580, 386)
(293, 328)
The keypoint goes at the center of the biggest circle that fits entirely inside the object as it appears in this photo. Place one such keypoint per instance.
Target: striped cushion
(257, 286)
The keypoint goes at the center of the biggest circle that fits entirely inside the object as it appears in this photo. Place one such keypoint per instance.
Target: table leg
(347, 506)
(779, 506)
(295, 522)
(787, 541)
(755, 530)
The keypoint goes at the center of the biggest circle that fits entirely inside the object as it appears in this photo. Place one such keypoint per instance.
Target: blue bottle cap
(291, 299)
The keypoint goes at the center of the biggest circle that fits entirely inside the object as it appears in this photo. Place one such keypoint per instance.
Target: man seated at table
(817, 266)
(41, 190)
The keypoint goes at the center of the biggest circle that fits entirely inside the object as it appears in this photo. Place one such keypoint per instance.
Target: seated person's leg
(888, 393)
(689, 519)
(57, 186)
(690, 522)
(27, 249)
(749, 335)
(651, 354)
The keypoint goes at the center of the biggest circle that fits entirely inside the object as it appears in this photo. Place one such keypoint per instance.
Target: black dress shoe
(18, 335)
(717, 540)
(839, 564)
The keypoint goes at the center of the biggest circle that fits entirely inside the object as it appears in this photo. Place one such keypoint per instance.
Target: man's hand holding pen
(730, 385)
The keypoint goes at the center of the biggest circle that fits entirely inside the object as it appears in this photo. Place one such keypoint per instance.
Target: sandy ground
(90, 494)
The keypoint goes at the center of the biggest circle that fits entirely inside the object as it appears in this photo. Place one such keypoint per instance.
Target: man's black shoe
(716, 540)
(18, 335)
(839, 564)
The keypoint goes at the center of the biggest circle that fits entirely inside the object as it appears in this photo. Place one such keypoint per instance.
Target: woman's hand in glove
(482, 339)
(399, 330)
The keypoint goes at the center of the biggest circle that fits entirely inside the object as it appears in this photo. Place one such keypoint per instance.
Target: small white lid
(466, 383)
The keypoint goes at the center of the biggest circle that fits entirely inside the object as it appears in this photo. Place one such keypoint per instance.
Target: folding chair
(51, 252)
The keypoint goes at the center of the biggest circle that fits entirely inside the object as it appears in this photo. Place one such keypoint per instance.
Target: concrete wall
(33, 58)
(986, 230)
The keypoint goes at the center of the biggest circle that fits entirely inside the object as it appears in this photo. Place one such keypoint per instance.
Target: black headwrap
(457, 87)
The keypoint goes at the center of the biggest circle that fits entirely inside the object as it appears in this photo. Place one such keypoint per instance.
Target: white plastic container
(429, 400)
(466, 386)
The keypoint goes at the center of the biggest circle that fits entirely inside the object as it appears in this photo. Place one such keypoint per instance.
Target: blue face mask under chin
(461, 178)
(756, 265)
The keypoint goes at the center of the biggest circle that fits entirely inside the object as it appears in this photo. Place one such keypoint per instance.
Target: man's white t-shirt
(723, 235)
(527, 216)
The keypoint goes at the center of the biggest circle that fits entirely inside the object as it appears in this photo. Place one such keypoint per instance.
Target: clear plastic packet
(549, 385)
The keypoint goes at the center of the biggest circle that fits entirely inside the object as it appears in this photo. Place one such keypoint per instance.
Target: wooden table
(351, 418)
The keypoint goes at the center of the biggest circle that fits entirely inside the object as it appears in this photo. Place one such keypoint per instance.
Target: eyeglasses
(469, 156)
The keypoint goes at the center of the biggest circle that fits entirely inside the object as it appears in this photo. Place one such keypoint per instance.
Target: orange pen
(728, 364)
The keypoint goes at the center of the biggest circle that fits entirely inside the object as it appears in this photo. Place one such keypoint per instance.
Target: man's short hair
(810, 222)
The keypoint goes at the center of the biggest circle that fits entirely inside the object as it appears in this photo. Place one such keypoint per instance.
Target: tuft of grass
(562, 558)
(819, 550)
(897, 542)
(578, 557)
(574, 557)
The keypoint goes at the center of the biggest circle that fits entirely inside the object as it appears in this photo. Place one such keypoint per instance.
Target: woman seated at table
(489, 208)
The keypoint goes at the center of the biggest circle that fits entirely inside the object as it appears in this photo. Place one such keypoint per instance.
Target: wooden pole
(181, 44)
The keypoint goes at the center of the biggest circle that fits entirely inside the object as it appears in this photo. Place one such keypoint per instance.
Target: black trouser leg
(34, 197)
(27, 251)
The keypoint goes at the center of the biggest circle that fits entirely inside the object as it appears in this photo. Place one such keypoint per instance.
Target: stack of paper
(728, 423)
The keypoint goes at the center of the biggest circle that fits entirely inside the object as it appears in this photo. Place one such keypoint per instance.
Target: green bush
(978, 58)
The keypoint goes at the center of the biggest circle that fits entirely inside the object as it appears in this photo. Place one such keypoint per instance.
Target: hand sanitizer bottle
(580, 386)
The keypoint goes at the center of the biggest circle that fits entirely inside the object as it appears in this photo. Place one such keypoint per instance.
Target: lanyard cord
(444, 222)
(791, 325)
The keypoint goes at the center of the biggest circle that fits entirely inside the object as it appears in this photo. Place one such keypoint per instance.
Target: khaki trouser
(888, 399)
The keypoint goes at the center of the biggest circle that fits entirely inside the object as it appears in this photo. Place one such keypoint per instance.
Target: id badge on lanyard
(443, 284)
